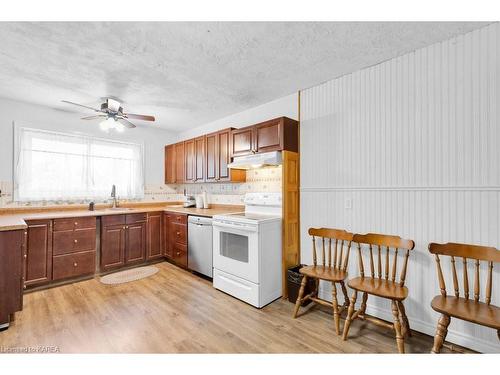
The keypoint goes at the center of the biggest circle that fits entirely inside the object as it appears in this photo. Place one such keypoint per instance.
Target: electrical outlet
(348, 203)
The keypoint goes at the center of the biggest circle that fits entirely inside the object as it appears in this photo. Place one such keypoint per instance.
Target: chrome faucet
(113, 195)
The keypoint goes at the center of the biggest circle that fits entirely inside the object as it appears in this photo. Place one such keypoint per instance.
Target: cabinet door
(179, 163)
(167, 219)
(224, 155)
(199, 159)
(242, 141)
(112, 246)
(38, 267)
(155, 245)
(135, 244)
(269, 136)
(189, 158)
(170, 164)
(211, 158)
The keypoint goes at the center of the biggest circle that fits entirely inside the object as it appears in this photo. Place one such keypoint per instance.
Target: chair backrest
(340, 239)
(472, 252)
(381, 241)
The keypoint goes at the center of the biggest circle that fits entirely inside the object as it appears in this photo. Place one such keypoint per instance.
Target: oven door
(236, 249)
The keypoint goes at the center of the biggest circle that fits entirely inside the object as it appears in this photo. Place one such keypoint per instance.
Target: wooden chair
(379, 284)
(335, 271)
(474, 311)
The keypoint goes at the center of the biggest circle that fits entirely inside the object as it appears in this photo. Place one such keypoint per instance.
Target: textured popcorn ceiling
(187, 74)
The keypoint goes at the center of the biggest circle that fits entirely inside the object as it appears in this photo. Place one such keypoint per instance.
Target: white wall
(414, 143)
(46, 118)
(286, 106)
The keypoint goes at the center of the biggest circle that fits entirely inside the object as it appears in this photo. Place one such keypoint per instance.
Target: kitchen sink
(119, 209)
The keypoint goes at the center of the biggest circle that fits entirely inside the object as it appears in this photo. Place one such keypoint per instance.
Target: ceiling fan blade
(140, 117)
(93, 117)
(126, 123)
(81, 105)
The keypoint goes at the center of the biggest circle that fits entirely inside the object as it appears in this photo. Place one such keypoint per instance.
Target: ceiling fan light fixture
(108, 124)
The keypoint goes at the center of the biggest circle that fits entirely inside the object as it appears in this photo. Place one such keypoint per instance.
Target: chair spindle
(466, 280)
(455, 278)
(488, 283)
(346, 260)
(442, 285)
(361, 268)
(387, 263)
(379, 262)
(476, 282)
(403, 271)
(314, 251)
(323, 251)
(330, 252)
(394, 265)
(335, 254)
(372, 269)
(341, 252)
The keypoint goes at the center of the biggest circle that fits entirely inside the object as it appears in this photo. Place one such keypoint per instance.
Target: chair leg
(344, 291)
(363, 304)
(317, 287)
(441, 331)
(299, 298)
(350, 313)
(397, 327)
(335, 304)
(404, 320)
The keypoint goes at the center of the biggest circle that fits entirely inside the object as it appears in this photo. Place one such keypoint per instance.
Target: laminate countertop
(15, 219)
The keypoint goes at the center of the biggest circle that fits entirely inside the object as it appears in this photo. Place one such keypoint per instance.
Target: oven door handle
(246, 228)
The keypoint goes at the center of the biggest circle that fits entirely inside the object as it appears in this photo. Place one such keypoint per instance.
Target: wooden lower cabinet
(38, 264)
(155, 236)
(175, 232)
(135, 243)
(73, 265)
(112, 246)
(12, 253)
(123, 240)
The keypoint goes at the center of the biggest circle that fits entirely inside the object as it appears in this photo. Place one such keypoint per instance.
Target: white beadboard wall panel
(412, 143)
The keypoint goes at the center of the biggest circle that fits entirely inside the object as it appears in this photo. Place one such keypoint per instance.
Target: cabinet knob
(178, 253)
(178, 233)
(25, 256)
(76, 241)
(24, 286)
(75, 264)
(76, 223)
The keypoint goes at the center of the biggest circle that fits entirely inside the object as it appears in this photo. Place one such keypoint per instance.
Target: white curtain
(58, 166)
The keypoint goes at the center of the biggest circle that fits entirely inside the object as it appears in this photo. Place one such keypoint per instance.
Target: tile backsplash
(263, 179)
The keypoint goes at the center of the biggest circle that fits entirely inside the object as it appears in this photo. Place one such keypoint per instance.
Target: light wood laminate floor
(177, 312)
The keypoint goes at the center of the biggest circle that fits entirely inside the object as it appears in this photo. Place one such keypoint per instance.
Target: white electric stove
(247, 250)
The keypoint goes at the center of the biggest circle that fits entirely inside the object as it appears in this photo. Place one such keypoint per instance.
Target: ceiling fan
(113, 116)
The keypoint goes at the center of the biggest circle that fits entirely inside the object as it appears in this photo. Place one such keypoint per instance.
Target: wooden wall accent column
(291, 217)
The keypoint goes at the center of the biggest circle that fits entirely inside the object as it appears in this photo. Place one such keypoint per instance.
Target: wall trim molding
(321, 189)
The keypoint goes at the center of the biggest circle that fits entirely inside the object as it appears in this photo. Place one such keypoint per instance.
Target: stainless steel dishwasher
(200, 245)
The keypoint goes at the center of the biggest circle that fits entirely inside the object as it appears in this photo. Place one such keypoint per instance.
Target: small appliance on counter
(189, 201)
(199, 201)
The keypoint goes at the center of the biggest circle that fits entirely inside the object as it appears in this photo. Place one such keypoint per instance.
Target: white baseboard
(428, 328)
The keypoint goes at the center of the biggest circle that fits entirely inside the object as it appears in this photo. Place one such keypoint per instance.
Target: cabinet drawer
(74, 223)
(178, 233)
(136, 218)
(73, 265)
(178, 218)
(113, 220)
(74, 241)
(179, 254)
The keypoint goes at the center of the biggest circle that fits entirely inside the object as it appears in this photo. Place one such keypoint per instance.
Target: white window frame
(17, 149)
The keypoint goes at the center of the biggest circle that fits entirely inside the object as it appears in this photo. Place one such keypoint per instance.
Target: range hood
(256, 160)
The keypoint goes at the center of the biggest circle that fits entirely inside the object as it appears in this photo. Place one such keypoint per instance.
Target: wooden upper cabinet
(189, 160)
(242, 141)
(38, 266)
(224, 156)
(179, 163)
(170, 165)
(199, 159)
(274, 135)
(211, 151)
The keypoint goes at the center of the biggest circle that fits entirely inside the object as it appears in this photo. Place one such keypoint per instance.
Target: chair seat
(466, 309)
(323, 273)
(379, 287)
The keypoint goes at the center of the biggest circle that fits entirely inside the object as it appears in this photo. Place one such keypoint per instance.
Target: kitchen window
(60, 166)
